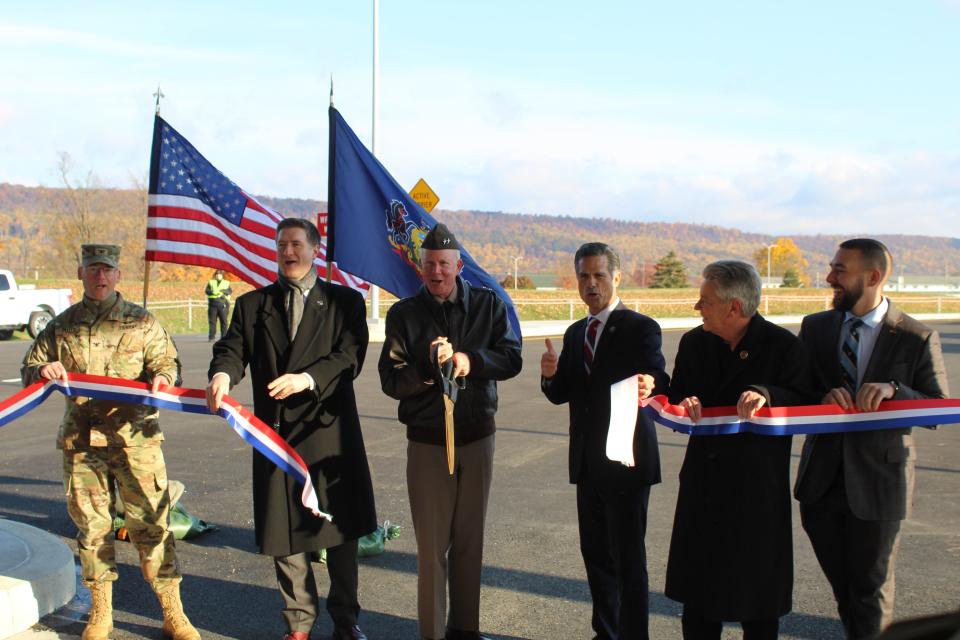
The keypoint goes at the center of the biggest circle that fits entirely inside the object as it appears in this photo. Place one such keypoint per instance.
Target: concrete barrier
(37, 576)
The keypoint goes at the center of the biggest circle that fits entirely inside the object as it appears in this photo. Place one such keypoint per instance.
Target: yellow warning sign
(424, 195)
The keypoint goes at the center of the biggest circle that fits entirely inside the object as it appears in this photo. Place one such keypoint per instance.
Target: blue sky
(778, 117)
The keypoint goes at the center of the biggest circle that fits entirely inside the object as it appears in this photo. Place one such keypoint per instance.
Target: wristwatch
(895, 385)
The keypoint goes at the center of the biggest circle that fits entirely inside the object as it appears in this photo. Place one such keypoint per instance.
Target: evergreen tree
(791, 279)
(670, 273)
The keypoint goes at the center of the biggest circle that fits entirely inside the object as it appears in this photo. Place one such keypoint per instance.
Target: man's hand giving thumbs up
(548, 361)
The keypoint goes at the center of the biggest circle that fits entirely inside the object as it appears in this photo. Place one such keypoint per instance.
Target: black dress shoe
(348, 633)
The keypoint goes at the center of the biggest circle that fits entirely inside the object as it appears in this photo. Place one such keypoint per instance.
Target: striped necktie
(848, 355)
(590, 343)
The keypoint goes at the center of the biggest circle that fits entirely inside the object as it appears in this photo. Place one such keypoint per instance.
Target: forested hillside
(41, 227)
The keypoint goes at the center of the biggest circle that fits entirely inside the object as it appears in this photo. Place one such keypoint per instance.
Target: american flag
(198, 216)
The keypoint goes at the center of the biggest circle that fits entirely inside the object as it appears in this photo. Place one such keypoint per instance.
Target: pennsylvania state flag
(375, 228)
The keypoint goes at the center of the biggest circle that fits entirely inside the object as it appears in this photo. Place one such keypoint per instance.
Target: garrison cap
(108, 254)
(440, 238)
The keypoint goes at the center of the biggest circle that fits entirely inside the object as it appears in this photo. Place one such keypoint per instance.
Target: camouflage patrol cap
(108, 254)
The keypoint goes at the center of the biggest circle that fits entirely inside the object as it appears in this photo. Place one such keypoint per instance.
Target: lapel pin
(744, 355)
(612, 329)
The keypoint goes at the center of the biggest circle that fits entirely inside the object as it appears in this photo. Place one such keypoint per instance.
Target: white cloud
(29, 36)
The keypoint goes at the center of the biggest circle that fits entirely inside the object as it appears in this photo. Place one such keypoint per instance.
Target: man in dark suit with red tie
(609, 345)
(856, 488)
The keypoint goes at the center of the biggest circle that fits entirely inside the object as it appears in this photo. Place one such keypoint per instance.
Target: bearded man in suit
(856, 488)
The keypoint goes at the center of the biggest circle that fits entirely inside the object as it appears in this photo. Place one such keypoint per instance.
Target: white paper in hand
(624, 398)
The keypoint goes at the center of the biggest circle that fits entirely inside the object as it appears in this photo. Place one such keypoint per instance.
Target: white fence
(574, 307)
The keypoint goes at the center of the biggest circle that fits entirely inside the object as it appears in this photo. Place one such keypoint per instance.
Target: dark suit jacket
(878, 466)
(322, 425)
(630, 344)
(731, 550)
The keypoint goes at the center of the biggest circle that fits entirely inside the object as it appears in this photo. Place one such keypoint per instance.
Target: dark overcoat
(731, 551)
(322, 424)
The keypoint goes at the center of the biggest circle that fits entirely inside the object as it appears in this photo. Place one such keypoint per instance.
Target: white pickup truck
(27, 307)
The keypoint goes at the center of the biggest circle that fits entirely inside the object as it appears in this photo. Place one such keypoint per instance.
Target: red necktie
(590, 343)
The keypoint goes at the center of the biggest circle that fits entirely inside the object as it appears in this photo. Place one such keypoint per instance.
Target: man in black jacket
(611, 344)
(448, 320)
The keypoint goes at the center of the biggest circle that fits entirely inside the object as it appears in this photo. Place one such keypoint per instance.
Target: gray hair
(735, 280)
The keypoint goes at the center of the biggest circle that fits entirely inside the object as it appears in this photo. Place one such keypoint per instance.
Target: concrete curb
(37, 576)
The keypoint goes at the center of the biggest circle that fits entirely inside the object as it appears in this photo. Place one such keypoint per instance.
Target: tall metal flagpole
(330, 206)
(374, 289)
(146, 263)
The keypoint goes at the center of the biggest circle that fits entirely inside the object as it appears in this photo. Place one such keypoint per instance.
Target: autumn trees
(786, 264)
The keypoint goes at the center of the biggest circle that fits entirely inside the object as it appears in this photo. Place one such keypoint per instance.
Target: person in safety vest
(218, 303)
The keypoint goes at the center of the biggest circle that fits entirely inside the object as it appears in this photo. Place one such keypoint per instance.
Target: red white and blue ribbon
(819, 418)
(257, 434)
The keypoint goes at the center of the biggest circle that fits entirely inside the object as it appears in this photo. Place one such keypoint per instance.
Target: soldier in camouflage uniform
(106, 335)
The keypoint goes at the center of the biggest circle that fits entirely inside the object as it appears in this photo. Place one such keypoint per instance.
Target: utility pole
(769, 262)
(516, 259)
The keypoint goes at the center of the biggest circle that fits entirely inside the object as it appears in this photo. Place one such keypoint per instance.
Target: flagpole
(330, 190)
(146, 262)
(374, 289)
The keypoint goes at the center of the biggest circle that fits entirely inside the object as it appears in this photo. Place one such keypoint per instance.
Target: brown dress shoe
(348, 633)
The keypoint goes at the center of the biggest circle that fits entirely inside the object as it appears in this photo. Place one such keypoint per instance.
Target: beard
(846, 299)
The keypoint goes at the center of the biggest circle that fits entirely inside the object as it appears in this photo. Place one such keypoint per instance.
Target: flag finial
(331, 89)
(158, 94)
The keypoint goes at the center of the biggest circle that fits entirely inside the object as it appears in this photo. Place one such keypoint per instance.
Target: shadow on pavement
(26, 481)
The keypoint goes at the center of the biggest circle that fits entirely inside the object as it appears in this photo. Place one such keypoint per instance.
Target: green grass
(550, 305)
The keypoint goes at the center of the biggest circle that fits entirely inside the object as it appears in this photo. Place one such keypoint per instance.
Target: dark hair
(874, 253)
(313, 236)
(591, 249)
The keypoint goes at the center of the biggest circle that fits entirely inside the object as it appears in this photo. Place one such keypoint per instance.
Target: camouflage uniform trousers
(141, 478)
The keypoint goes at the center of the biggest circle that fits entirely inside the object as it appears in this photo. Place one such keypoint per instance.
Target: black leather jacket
(476, 325)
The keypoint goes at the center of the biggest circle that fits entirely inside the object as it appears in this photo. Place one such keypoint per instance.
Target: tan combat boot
(100, 620)
(176, 626)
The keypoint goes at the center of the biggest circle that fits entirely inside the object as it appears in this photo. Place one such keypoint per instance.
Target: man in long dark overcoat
(731, 552)
(305, 341)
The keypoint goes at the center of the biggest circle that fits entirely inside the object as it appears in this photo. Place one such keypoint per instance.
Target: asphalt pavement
(533, 581)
